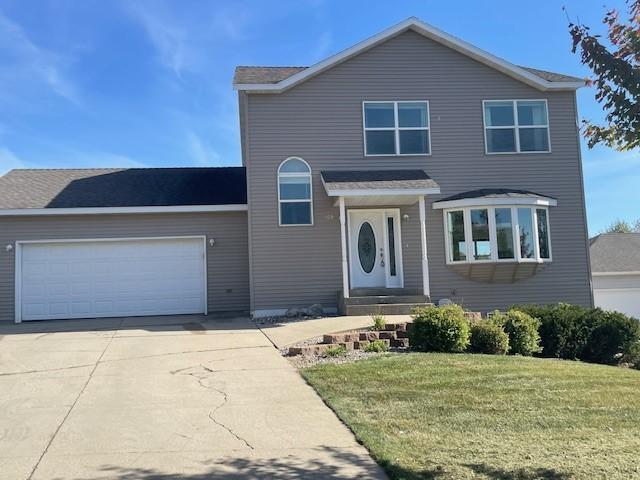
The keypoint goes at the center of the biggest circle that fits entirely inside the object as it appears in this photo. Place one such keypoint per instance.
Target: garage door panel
(625, 300)
(112, 278)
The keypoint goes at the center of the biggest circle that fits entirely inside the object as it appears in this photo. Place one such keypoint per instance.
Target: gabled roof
(279, 79)
(615, 253)
(114, 187)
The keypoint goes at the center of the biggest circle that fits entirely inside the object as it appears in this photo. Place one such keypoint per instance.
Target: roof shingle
(615, 252)
(131, 187)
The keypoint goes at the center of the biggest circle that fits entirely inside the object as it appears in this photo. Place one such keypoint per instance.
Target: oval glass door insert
(367, 247)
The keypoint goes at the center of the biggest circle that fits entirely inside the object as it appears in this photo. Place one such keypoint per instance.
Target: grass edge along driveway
(458, 416)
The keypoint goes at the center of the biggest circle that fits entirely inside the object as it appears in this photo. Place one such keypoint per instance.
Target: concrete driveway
(159, 398)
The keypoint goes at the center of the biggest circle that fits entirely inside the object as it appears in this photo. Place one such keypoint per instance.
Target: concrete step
(366, 292)
(387, 299)
(383, 308)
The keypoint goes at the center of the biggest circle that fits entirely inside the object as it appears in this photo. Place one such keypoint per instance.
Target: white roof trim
(428, 31)
(488, 202)
(116, 210)
(606, 274)
(383, 192)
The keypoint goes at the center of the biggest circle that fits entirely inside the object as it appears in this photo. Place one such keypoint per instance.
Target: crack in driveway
(201, 376)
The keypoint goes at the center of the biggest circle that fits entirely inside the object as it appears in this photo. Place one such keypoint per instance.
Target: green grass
(455, 416)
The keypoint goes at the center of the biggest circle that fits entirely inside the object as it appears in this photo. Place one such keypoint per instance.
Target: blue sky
(148, 83)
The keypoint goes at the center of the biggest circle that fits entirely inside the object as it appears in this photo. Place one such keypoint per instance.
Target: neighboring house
(615, 269)
(410, 167)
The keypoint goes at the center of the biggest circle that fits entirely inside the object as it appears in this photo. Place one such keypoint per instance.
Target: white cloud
(201, 152)
(9, 161)
(24, 61)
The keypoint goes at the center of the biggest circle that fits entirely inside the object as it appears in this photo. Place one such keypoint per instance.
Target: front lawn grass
(456, 416)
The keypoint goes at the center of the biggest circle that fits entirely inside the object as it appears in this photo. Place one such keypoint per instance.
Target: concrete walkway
(285, 334)
(163, 398)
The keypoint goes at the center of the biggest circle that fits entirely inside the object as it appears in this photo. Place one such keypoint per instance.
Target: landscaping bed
(462, 416)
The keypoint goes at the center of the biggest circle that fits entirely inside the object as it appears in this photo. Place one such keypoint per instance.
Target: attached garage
(615, 270)
(111, 278)
(85, 244)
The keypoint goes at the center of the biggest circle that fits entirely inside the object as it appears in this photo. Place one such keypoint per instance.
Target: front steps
(383, 301)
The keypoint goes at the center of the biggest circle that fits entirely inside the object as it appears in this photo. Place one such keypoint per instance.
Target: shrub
(379, 322)
(376, 346)
(589, 334)
(522, 330)
(614, 336)
(335, 351)
(439, 329)
(632, 356)
(488, 337)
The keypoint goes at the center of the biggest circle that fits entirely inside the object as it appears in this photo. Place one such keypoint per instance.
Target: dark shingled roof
(615, 252)
(260, 75)
(376, 179)
(130, 187)
(495, 193)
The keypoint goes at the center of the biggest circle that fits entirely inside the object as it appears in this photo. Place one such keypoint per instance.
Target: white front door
(374, 248)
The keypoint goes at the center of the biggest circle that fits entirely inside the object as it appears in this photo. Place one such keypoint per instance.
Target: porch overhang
(378, 187)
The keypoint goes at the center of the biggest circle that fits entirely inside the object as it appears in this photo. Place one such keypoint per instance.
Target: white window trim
(310, 200)
(516, 126)
(396, 129)
(515, 229)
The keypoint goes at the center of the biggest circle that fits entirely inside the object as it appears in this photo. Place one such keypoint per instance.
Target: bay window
(497, 234)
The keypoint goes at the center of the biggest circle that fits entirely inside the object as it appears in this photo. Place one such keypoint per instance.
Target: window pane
(294, 166)
(381, 142)
(543, 233)
(379, 115)
(412, 114)
(457, 245)
(498, 114)
(501, 140)
(295, 213)
(526, 233)
(295, 188)
(534, 140)
(414, 142)
(392, 246)
(504, 233)
(480, 234)
(532, 113)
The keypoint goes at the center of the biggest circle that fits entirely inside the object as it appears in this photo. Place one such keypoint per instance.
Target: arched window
(294, 192)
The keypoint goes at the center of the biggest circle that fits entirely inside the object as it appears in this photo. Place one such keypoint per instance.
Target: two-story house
(411, 167)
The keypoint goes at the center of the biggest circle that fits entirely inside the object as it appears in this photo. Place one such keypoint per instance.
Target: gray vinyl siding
(227, 262)
(320, 120)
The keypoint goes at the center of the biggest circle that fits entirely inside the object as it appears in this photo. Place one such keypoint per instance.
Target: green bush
(379, 322)
(522, 330)
(590, 334)
(335, 351)
(488, 337)
(615, 335)
(439, 329)
(376, 346)
(632, 356)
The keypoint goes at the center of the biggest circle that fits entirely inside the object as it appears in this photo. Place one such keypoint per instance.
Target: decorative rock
(369, 336)
(360, 344)
(294, 312)
(444, 301)
(348, 345)
(473, 316)
(401, 327)
(388, 335)
(400, 343)
(315, 310)
(402, 334)
(389, 327)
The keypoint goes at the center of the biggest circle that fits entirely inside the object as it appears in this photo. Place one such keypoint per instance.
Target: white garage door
(81, 279)
(625, 300)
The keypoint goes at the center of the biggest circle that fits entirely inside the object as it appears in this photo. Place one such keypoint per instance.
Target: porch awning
(390, 187)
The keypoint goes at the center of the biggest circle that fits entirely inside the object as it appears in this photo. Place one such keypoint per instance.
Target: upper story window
(295, 192)
(497, 234)
(516, 126)
(396, 128)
